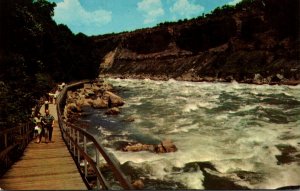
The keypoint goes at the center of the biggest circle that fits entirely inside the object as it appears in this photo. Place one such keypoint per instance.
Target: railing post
(70, 142)
(78, 153)
(97, 166)
(85, 151)
(74, 148)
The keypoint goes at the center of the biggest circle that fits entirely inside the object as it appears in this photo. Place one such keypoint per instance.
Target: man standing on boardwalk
(48, 123)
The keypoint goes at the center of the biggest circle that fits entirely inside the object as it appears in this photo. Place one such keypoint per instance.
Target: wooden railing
(77, 139)
(11, 139)
(15, 138)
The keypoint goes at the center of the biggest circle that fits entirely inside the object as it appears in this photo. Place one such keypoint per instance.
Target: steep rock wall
(235, 46)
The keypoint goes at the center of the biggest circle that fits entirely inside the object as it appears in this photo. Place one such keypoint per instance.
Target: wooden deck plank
(44, 166)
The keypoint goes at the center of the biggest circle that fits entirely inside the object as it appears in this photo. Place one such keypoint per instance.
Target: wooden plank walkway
(44, 166)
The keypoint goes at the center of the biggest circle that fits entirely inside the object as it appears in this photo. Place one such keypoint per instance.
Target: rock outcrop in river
(97, 95)
(255, 42)
(165, 146)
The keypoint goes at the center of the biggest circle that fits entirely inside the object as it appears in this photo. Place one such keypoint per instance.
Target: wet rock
(157, 184)
(165, 146)
(137, 171)
(138, 184)
(88, 92)
(258, 79)
(82, 102)
(169, 145)
(99, 103)
(106, 87)
(251, 177)
(194, 166)
(129, 119)
(115, 100)
(73, 108)
(288, 155)
(133, 170)
(214, 180)
(280, 77)
(87, 86)
(289, 188)
(138, 147)
(276, 78)
(120, 145)
(113, 111)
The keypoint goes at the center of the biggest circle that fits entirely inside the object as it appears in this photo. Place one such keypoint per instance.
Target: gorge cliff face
(246, 43)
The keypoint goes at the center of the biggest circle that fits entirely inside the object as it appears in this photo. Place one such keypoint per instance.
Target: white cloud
(234, 2)
(185, 9)
(152, 10)
(71, 13)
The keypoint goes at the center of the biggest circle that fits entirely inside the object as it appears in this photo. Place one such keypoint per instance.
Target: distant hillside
(255, 42)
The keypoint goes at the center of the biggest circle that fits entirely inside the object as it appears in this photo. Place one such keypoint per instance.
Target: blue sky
(95, 17)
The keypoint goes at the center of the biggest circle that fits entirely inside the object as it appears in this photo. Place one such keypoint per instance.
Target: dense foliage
(36, 53)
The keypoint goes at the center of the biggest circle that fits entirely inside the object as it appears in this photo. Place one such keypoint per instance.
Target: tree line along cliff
(257, 41)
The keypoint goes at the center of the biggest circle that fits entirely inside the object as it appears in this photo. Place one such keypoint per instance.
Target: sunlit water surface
(238, 128)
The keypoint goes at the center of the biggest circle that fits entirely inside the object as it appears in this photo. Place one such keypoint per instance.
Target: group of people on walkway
(44, 124)
(44, 127)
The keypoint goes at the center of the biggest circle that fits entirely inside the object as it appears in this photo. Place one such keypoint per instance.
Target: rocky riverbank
(97, 94)
(101, 95)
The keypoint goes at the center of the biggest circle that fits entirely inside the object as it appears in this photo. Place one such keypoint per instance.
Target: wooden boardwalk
(44, 166)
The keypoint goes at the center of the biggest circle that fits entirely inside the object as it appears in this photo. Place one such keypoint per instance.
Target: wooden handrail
(9, 141)
(24, 132)
(73, 135)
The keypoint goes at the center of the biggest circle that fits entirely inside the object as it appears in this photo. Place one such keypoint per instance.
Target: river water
(227, 133)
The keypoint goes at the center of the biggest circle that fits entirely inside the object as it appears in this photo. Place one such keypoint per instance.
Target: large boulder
(138, 184)
(169, 145)
(88, 92)
(106, 87)
(72, 107)
(258, 79)
(99, 103)
(115, 100)
(113, 111)
(165, 146)
(138, 147)
(81, 102)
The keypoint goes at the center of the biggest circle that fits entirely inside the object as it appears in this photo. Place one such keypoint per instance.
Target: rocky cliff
(255, 42)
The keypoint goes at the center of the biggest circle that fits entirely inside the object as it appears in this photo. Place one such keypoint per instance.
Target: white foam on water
(193, 180)
(190, 107)
(184, 129)
(103, 131)
(221, 117)
(137, 157)
(230, 142)
(207, 105)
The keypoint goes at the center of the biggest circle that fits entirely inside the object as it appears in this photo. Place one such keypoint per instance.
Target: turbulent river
(228, 135)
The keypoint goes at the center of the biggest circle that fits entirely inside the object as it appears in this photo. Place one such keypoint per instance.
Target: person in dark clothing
(109, 103)
(48, 124)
